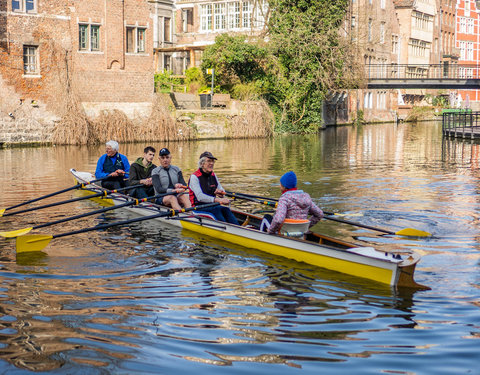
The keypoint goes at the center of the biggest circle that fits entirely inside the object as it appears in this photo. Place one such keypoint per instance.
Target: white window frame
(463, 50)
(206, 23)
(234, 11)
(247, 8)
(31, 64)
(219, 16)
(469, 54)
(22, 6)
(462, 25)
(469, 26)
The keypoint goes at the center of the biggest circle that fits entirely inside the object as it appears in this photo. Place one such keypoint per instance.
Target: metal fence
(463, 123)
(422, 71)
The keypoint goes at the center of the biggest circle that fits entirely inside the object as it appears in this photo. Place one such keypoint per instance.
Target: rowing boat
(391, 268)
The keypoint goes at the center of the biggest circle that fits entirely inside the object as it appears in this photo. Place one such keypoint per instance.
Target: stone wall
(25, 130)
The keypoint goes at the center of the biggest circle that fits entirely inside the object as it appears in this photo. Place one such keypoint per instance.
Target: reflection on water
(111, 301)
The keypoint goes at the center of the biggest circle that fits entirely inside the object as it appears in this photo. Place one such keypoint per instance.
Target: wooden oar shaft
(138, 219)
(103, 193)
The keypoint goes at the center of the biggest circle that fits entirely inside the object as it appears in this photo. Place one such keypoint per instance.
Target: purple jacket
(295, 204)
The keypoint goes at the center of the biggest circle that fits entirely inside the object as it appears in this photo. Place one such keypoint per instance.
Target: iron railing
(462, 121)
(422, 71)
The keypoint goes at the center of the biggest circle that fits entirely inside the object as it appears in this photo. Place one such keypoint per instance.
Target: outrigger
(392, 268)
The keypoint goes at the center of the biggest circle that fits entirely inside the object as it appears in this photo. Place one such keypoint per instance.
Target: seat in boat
(295, 227)
(203, 214)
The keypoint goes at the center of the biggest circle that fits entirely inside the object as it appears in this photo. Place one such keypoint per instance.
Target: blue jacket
(100, 172)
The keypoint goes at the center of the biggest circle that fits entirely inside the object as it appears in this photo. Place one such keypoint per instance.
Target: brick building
(103, 50)
(195, 25)
(468, 44)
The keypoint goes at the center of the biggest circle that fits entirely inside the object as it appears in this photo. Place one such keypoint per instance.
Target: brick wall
(107, 75)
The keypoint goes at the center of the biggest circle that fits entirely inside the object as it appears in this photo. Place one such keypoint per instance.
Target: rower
(168, 178)
(206, 188)
(293, 204)
(113, 165)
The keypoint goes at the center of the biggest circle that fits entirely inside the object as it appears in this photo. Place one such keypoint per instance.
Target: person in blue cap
(293, 204)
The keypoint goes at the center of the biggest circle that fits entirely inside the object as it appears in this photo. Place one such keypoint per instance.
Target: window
(469, 26)
(395, 44)
(88, 37)
(469, 51)
(368, 100)
(27, 6)
(187, 20)
(206, 17)
(234, 15)
(30, 60)
(247, 14)
(261, 13)
(419, 48)
(135, 39)
(141, 39)
(463, 25)
(381, 99)
(467, 8)
(167, 33)
(220, 22)
(422, 21)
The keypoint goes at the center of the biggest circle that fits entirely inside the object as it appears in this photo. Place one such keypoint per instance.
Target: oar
(37, 242)
(271, 202)
(134, 202)
(233, 194)
(77, 186)
(103, 193)
(403, 232)
(251, 198)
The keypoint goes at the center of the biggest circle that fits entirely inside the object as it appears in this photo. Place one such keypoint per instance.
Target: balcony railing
(422, 71)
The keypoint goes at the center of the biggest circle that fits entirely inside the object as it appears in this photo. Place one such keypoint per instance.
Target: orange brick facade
(40, 45)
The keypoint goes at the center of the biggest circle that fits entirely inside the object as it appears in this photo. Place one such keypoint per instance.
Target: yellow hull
(372, 272)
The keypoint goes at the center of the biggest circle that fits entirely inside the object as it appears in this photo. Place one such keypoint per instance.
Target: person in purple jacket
(293, 204)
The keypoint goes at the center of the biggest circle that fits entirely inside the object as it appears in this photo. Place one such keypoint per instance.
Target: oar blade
(2, 210)
(413, 232)
(15, 233)
(32, 242)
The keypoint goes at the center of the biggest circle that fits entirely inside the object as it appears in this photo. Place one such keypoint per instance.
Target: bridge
(422, 76)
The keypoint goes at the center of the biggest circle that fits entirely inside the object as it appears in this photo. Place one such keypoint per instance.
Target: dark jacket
(139, 172)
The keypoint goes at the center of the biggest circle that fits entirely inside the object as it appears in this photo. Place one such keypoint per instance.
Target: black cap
(164, 151)
(208, 154)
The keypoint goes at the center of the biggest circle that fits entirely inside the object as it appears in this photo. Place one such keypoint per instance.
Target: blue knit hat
(289, 180)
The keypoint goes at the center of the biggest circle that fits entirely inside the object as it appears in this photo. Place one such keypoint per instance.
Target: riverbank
(90, 123)
(33, 125)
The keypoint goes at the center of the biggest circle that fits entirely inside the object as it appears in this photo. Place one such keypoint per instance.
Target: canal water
(149, 299)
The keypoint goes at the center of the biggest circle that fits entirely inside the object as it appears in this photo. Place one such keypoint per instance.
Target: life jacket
(208, 184)
(110, 167)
